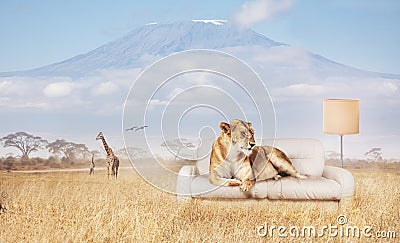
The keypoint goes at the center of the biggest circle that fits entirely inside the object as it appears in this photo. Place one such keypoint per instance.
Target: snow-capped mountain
(137, 48)
(148, 43)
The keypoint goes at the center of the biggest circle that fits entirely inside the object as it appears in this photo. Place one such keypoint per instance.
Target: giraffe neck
(108, 149)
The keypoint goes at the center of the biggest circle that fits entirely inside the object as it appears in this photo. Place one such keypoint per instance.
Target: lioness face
(241, 133)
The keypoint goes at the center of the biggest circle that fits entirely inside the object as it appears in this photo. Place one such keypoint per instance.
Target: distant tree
(176, 145)
(332, 156)
(93, 152)
(70, 150)
(133, 152)
(24, 142)
(51, 160)
(10, 161)
(9, 155)
(375, 154)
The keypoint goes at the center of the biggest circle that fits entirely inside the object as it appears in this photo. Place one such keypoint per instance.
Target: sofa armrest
(343, 177)
(184, 181)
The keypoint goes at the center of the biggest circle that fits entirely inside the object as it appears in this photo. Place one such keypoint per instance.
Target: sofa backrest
(203, 155)
(306, 154)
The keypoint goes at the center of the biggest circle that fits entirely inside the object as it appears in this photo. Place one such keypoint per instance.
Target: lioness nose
(252, 145)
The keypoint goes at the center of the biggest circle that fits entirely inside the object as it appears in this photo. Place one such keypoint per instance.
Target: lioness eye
(243, 134)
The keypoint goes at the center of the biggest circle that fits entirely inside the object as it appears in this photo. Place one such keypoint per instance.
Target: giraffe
(111, 160)
(91, 170)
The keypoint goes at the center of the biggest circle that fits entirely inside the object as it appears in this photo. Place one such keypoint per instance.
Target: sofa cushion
(201, 187)
(307, 155)
(317, 188)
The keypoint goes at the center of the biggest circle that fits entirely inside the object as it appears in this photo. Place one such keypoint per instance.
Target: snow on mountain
(215, 22)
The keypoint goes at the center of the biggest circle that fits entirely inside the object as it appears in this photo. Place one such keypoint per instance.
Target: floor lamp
(341, 117)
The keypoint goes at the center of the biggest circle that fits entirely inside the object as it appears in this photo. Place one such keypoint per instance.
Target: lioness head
(240, 133)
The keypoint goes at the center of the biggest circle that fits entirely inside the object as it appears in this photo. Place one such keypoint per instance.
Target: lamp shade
(341, 116)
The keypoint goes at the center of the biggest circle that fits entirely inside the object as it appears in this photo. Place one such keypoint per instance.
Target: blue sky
(362, 33)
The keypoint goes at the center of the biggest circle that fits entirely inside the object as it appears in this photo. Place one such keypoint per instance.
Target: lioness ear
(225, 127)
(249, 123)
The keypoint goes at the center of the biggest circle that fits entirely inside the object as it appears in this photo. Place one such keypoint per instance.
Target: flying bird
(139, 128)
(130, 129)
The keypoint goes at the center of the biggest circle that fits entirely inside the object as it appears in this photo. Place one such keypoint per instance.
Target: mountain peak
(149, 42)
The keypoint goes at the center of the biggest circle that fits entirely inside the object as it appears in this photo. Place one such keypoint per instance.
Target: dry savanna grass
(73, 207)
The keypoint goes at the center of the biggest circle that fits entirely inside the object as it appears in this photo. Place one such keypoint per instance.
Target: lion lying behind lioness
(236, 161)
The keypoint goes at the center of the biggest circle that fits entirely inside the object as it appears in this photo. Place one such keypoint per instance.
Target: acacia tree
(69, 149)
(375, 154)
(132, 152)
(332, 156)
(93, 153)
(175, 146)
(24, 142)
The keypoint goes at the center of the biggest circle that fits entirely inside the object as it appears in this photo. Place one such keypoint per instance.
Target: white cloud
(300, 90)
(256, 11)
(390, 87)
(105, 88)
(3, 85)
(157, 102)
(7, 87)
(39, 105)
(19, 86)
(59, 89)
(122, 77)
(175, 92)
(200, 77)
(365, 87)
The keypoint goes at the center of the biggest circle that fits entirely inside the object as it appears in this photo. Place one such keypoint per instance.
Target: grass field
(73, 207)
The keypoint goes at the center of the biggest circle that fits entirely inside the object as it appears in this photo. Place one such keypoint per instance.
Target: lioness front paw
(245, 186)
(234, 182)
(301, 176)
(277, 177)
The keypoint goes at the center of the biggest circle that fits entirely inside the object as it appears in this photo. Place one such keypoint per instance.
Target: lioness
(236, 161)
(268, 162)
(229, 163)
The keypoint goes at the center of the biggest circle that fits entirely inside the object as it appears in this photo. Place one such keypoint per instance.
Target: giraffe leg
(115, 167)
(113, 170)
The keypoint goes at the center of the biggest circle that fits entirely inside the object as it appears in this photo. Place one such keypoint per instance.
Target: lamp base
(341, 149)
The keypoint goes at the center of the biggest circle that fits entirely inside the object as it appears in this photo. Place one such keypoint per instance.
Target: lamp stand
(341, 149)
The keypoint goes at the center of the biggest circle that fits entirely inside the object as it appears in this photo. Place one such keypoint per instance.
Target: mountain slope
(148, 43)
(153, 40)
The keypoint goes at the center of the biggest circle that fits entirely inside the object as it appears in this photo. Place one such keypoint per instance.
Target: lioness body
(234, 161)
(269, 162)
(229, 164)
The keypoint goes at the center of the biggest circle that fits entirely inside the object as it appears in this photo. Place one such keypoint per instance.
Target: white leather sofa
(307, 155)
